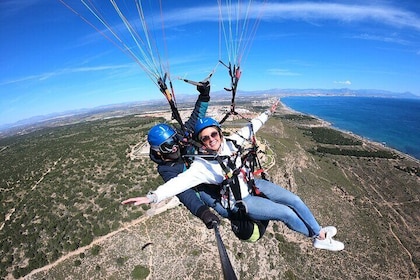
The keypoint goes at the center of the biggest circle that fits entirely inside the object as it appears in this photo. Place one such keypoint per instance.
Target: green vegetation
(326, 135)
(121, 260)
(95, 250)
(410, 169)
(62, 187)
(296, 117)
(140, 272)
(289, 275)
(61, 190)
(354, 153)
(331, 141)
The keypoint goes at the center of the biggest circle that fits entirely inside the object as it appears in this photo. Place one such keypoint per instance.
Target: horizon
(36, 119)
(298, 45)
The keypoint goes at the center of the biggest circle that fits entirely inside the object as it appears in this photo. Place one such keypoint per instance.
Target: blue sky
(52, 61)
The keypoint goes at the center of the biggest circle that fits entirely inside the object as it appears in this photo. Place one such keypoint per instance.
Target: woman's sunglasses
(206, 138)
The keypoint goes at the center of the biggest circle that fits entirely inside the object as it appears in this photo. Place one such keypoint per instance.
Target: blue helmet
(204, 123)
(159, 134)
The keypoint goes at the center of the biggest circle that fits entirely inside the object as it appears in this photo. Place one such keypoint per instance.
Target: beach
(390, 122)
(284, 109)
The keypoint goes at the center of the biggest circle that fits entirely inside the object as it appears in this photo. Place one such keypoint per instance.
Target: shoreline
(365, 140)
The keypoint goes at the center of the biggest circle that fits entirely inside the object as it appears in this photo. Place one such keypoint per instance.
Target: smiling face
(210, 137)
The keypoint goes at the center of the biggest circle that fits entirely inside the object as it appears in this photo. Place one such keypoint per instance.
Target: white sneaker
(328, 244)
(330, 231)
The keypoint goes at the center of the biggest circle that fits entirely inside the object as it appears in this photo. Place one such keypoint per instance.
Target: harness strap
(231, 172)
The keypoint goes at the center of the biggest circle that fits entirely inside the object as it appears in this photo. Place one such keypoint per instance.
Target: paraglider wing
(127, 26)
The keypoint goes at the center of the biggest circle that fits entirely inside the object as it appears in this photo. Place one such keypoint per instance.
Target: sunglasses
(169, 146)
(206, 138)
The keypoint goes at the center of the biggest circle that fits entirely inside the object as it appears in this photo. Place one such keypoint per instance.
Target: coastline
(364, 140)
(373, 203)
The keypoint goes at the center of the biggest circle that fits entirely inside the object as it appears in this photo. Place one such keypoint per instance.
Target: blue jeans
(279, 204)
(210, 195)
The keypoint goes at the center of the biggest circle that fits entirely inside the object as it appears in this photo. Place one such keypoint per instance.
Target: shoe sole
(333, 245)
(330, 231)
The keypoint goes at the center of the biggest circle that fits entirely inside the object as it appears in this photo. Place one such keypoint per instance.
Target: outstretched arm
(197, 174)
(201, 105)
(274, 106)
(137, 200)
(204, 213)
(256, 123)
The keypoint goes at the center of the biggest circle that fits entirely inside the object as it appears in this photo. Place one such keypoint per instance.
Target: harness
(242, 225)
(250, 167)
(230, 187)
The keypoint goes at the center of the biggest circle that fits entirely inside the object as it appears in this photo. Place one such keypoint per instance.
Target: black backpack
(244, 227)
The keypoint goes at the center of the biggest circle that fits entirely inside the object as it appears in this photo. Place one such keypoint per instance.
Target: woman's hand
(274, 106)
(137, 200)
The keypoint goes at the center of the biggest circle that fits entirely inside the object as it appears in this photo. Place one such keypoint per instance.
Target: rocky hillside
(371, 194)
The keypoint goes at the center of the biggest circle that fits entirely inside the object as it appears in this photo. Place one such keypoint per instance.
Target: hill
(218, 97)
(61, 215)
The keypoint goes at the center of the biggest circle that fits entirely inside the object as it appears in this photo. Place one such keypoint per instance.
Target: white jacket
(209, 171)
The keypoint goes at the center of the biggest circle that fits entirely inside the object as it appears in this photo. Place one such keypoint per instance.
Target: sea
(393, 122)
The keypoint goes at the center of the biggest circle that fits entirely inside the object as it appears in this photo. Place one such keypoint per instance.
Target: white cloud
(306, 11)
(343, 82)
(343, 12)
(10, 8)
(281, 72)
(387, 39)
(48, 75)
